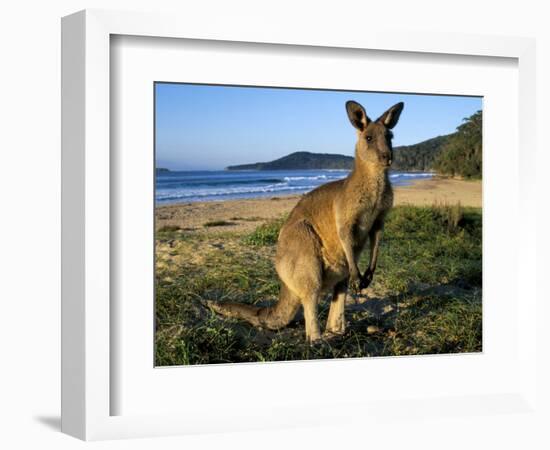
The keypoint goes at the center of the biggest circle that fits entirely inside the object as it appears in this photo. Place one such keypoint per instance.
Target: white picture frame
(87, 328)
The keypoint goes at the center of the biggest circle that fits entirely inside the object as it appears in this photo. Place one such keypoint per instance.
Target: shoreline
(244, 215)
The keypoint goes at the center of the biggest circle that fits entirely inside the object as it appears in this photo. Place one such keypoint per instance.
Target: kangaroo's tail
(273, 317)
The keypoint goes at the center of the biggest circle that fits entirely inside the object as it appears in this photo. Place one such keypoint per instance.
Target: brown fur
(320, 243)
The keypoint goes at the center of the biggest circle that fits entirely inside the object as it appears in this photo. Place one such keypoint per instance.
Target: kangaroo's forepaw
(355, 285)
(366, 279)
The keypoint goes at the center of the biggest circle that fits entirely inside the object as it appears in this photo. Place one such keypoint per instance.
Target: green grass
(217, 223)
(425, 297)
(168, 228)
(265, 234)
(246, 219)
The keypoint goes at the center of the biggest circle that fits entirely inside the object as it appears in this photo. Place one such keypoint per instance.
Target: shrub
(450, 216)
(167, 228)
(217, 223)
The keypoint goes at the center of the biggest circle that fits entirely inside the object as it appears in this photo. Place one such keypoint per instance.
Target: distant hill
(301, 161)
(417, 157)
(162, 169)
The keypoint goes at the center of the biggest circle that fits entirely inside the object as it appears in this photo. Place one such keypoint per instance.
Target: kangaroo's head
(374, 145)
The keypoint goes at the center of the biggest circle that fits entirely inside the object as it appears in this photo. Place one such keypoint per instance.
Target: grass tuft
(451, 216)
(168, 228)
(217, 223)
(246, 219)
(265, 234)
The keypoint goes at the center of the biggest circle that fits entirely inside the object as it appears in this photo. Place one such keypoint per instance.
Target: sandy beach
(245, 215)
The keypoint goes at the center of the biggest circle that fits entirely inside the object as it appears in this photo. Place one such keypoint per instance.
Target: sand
(440, 190)
(245, 215)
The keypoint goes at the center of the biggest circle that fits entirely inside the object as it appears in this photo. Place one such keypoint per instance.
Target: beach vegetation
(265, 234)
(169, 227)
(217, 223)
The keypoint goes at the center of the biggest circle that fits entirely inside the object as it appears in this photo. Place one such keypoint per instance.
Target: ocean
(199, 186)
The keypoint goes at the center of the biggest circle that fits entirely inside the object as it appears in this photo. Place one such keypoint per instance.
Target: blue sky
(211, 127)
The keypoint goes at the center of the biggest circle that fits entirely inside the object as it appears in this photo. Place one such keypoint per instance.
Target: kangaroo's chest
(364, 222)
(372, 207)
(363, 225)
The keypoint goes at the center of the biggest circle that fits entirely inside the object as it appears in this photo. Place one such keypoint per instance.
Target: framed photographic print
(275, 213)
(228, 235)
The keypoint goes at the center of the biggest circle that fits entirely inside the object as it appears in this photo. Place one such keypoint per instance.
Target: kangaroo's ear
(391, 116)
(357, 115)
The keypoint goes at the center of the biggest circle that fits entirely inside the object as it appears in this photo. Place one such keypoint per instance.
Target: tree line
(462, 153)
(456, 154)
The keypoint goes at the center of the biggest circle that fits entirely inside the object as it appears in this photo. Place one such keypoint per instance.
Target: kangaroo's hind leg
(313, 333)
(299, 267)
(336, 323)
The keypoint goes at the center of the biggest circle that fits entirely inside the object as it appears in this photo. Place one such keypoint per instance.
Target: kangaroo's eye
(369, 138)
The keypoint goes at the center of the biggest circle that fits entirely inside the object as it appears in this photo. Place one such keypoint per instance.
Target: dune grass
(217, 223)
(425, 297)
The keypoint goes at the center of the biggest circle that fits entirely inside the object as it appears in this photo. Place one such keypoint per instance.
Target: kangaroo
(320, 243)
